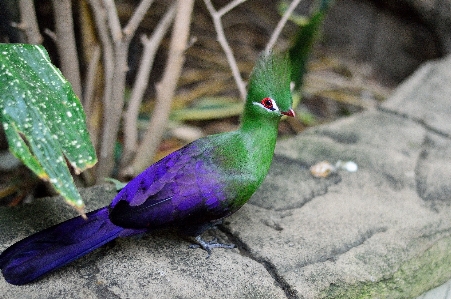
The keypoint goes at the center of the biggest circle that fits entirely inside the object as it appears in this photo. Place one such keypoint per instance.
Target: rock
(392, 38)
(381, 232)
(435, 15)
(425, 97)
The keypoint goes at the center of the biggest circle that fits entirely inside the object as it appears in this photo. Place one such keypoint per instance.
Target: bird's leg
(208, 246)
(196, 232)
(214, 224)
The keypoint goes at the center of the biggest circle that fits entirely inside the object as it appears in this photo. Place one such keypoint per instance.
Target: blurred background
(361, 51)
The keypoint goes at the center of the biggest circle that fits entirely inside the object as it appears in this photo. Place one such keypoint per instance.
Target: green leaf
(304, 39)
(209, 108)
(43, 118)
(117, 184)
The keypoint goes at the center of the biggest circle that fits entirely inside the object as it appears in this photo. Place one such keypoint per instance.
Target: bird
(191, 189)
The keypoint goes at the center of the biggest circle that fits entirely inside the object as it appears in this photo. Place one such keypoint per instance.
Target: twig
(67, 49)
(142, 78)
(113, 19)
(166, 87)
(100, 19)
(116, 47)
(276, 33)
(137, 17)
(90, 80)
(216, 16)
(28, 22)
(51, 34)
(229, 7)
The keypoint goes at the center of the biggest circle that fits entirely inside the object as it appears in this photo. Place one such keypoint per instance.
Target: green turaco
(190, 189)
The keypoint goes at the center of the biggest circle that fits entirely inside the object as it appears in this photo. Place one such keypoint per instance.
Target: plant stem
(166, 87)
(276, 33)
(216, 16)
(142, 78)
(115, 43)
(29, 23)
(67, 49)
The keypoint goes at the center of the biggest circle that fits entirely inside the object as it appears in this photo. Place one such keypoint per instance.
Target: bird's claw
(208, 246)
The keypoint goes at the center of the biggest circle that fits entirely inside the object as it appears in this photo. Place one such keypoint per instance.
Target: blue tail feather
(57, 246)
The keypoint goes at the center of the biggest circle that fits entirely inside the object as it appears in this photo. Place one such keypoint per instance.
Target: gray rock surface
(394, 37)
(436, 14)
(381, 232)
(441, 292)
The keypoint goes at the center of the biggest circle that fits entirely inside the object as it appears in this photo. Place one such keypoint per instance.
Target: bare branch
(166, 87)
(113, 19)
(142, 78)
(113, 112)
(216, 16)
(67, 49)
(276, 33)
(100, 19)
(51, 34)
(28, 22)
(137, 17)
(229, 7)
(115, 45)
(91, 76)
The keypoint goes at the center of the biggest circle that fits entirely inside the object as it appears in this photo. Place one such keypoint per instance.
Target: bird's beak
(289, 113)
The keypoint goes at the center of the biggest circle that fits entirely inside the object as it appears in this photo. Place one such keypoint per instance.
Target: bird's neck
(258, 125)
(260, 136)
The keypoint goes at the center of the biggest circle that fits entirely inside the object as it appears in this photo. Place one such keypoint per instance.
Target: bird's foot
(208, 246)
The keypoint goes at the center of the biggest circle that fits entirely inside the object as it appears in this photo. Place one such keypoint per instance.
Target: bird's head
(269, 88)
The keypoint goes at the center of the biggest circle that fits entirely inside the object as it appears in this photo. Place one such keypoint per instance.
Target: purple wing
(186, 187)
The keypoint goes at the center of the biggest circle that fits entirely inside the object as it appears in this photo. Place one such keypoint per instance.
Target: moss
(416, 276)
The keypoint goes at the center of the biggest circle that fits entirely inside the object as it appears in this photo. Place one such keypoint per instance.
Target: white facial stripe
(274, 105)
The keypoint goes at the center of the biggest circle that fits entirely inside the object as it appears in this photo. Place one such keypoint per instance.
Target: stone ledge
(383, 231)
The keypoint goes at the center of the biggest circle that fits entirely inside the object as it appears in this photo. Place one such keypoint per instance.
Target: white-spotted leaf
(43, 119)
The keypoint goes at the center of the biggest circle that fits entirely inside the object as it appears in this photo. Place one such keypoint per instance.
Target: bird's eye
(268, 103)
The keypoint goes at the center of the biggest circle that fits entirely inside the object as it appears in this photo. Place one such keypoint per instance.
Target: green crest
(271, 78)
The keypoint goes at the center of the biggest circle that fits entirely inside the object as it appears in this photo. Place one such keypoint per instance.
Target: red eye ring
(268, 103)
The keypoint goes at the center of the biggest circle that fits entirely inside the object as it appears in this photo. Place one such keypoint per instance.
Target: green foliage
(118, 185)
(43, 119)
(209, 108)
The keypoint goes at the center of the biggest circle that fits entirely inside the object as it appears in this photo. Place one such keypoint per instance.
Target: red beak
(289, 113)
